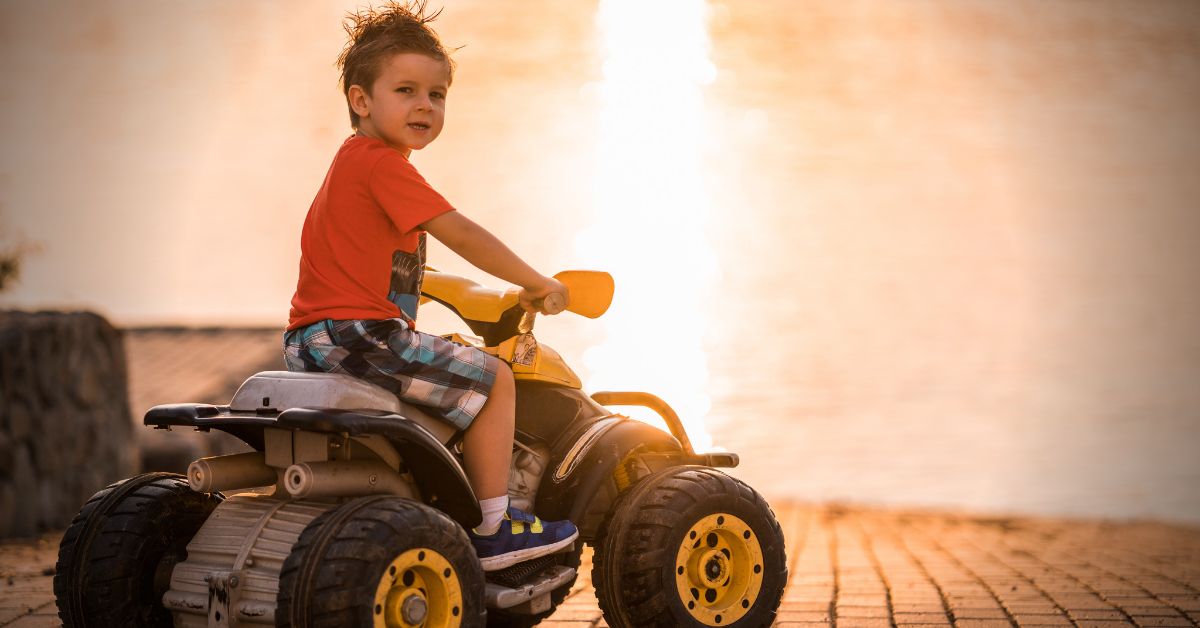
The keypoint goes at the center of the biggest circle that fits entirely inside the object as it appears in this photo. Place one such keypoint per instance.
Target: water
(956, 239)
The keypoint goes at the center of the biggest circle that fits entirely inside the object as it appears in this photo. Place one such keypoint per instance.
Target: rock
(25, 502)
(6, 458)
(8, 499)
(20, 424)
(64, 417)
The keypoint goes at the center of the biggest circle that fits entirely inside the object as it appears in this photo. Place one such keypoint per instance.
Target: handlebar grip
(552, 303)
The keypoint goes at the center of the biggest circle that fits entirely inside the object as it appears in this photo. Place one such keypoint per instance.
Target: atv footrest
(521, 573)
(499, 596)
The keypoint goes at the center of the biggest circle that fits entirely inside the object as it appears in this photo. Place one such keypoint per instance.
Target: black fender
(246, 426)
(579, 484)
(438, 474)
(546, 411)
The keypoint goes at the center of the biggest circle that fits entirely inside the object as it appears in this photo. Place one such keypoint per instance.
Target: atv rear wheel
(690, 546)
(116, 559)
(381, 561)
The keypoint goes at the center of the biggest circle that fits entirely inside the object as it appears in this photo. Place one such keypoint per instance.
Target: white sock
(493, 513)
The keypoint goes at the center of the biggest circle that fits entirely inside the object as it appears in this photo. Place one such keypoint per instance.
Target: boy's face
(407, 104)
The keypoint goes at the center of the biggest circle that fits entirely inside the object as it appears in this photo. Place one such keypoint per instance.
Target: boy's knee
(504, 377)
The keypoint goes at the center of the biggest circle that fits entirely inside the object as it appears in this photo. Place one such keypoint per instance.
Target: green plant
(14, 248)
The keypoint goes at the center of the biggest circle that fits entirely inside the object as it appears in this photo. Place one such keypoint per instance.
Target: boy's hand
(550, 286)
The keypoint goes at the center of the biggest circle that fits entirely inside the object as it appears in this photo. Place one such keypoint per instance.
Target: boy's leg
(487, 443)
(506, 536)
(387, 353)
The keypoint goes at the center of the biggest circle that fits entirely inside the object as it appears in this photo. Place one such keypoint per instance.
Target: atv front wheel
(690, 546)
(116, 559)
(381, 561)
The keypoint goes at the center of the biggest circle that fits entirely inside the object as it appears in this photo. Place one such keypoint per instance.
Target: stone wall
(64, 417)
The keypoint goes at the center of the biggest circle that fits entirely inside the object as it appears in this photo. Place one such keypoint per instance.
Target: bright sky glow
(650, 208)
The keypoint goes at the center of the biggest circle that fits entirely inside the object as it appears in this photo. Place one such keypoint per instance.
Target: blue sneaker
(521, 537)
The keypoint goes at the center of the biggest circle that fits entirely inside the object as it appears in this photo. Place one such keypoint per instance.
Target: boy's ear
(359, 101)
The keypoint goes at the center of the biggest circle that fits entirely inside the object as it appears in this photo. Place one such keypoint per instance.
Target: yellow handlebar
(552, 303)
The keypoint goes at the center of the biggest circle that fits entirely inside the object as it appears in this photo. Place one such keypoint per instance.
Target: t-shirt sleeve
(404, 194)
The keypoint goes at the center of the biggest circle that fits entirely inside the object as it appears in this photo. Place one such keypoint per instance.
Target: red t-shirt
(362, 253)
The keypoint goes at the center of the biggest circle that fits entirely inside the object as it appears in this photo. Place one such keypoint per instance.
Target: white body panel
(283, 390)
(249, 537)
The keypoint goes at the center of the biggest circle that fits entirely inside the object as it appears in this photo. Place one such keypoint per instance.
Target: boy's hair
(376, 35)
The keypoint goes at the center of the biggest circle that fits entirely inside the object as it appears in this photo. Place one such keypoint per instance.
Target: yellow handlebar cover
(591, 291)
(472, 300)
(591, 294)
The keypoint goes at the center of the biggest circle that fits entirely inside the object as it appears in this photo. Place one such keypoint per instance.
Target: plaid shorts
(449, 379)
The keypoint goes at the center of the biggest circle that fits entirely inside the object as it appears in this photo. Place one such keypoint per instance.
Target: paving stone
(35, 621)
(1109, 615)
(1160, 610)
(982, 623)
(576, 613)
(1046, 608)
(786, 615)
(979, 613)
(863, 622)
(821, 601)
(1042, 620)
(974, 602)
(1178, 620)
(921, 618)
(1089, 623)
(1189, 603)
(862, 611)
(919, 608)
(1082, 602)
(803, 606)
(17, 608)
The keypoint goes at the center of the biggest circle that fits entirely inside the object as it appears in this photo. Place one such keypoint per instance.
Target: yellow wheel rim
(719, 569)
(419, 589)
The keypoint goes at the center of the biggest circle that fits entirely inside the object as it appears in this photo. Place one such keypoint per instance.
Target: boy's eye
(437, 94)
(404, 90)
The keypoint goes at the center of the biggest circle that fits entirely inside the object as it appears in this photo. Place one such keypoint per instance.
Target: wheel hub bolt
(714, 569)
(413, 609)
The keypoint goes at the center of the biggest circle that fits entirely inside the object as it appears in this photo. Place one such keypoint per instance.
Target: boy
(363, 259)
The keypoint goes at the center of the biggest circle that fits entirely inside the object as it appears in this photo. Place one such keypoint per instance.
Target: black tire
(499, 618)
(115, 561)
(643, 537)
(342, 558)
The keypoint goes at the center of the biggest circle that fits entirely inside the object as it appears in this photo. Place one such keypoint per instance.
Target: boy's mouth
(420, 126)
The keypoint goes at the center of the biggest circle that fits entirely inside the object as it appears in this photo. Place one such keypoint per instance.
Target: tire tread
(628, 574)
(330, 572)
(97, 582)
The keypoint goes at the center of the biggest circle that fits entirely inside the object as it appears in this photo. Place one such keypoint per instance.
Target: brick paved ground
(26, 575)
(875, 569)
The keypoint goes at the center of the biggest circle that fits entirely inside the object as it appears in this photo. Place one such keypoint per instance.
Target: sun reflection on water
(650, 209)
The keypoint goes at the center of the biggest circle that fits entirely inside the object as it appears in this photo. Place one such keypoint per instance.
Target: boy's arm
(487, 253)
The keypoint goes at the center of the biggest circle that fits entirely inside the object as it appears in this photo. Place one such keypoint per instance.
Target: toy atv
(365, 525)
